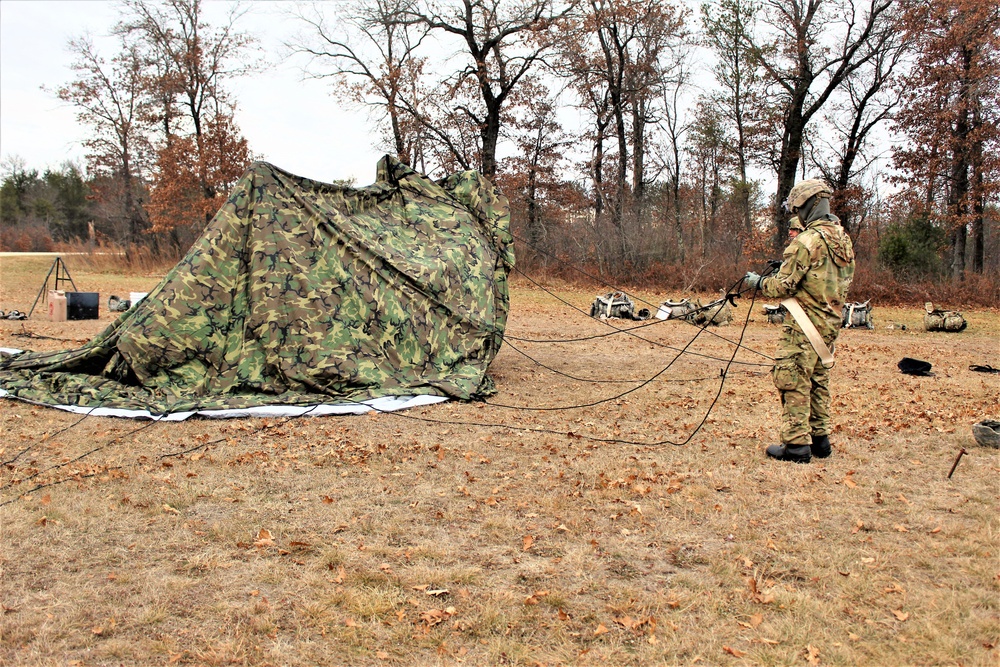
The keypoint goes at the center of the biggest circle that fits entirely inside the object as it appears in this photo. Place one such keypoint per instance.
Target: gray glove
(752, 280)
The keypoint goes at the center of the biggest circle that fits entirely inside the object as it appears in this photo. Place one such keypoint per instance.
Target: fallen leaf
(349, 622)
(901, 615)
(434, 616)
(758, 596)
(341, 575)
(756, 620)
(600, 630)
(527, 541)
(381, 655)
(936, 530)
(812, 655)
(437, 592)
(901, 528)
(172, 510)
(46, 499)
(264, 538)
(853, 637)
(733, 652)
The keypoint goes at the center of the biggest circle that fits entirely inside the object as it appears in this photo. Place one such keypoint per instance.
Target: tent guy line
(404, 415)
(499, 259)
(615, 329)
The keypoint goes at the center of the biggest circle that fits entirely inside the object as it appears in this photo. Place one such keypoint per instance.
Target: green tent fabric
(304, 293)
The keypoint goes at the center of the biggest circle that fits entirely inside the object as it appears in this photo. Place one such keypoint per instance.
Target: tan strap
(792, 306)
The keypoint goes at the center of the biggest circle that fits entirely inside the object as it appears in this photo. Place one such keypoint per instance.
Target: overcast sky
(289, 122)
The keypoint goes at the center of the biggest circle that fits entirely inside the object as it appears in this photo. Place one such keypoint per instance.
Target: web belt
(792, 306)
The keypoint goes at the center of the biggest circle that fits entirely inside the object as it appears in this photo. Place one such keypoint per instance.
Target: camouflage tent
(302, 293)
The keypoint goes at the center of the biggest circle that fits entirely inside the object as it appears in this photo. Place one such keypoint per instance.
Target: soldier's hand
(752, 280)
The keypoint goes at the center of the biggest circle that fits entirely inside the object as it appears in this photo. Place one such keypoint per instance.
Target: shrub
(912, 249)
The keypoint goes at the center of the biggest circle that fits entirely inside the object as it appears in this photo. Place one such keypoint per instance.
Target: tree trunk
(791, 153)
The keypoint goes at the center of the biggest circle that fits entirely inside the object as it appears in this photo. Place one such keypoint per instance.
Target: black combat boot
(794, 453)
(821, 446)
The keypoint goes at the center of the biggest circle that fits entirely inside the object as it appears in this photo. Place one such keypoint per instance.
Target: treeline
(635, 139)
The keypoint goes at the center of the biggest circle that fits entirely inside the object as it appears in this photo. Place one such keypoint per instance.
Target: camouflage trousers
(804, 385)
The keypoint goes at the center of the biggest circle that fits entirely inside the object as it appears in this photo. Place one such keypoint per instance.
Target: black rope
(737, 346)
(631, 331)
(262, 427)
(531, 429)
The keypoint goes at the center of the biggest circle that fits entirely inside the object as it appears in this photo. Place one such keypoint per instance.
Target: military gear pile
(717, 313)
(942, 320)
(116, 305)
(987, 433)
(675, 310)
(304, 293)
(858, 315)
(618, 305)
(775, 314)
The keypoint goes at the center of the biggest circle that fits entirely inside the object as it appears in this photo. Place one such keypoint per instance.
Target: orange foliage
(192, 184)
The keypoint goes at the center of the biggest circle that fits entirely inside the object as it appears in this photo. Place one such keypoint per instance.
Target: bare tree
(950, 118)
(814, 46)
(621, 55)
(186, 65)
(868, 100)
(504, 40)
(110, 99)
(728, 26)
(373, 55)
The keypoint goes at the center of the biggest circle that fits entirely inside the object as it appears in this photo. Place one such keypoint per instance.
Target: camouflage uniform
(817, 269)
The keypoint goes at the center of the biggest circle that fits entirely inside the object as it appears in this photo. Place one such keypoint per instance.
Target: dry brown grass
(395, 540)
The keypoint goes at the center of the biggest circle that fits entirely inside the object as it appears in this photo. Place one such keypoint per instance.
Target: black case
(82, 305)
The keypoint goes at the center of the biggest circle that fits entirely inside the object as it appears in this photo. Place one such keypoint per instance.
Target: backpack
(717, 313)
(942, 320)
(858, 315)
(675, 310)
(775, 314)
(617, 304)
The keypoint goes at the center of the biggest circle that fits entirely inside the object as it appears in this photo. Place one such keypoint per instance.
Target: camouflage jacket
(817, 268)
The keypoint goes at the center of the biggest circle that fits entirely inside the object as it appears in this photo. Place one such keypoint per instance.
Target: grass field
(452, 535)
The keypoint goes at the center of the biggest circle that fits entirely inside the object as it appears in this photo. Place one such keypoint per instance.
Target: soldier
(816, 271)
